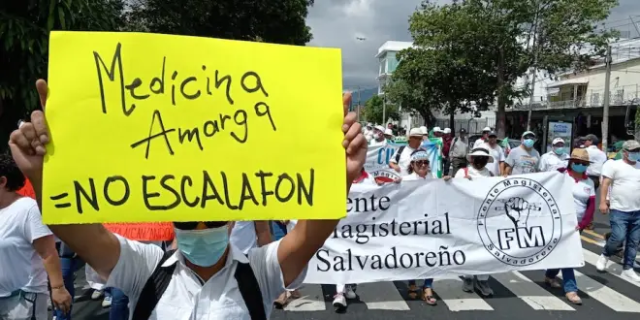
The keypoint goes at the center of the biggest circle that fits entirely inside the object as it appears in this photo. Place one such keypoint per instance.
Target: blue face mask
(634, 156)
(578, 168)
(558, 150)
(528, 143)
(205, 247)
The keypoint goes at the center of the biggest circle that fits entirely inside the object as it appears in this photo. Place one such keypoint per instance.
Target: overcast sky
(337, 23)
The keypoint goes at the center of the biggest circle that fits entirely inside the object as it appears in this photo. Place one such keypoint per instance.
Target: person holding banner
(418, 169)
(348, 291)
(402, 159)
(478, 158)
(206, 278)
(584, 200)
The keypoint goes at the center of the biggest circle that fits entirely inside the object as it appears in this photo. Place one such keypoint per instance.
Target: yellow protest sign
(148, 127)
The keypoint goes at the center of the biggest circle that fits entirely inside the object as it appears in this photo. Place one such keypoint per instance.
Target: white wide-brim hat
(480, 152)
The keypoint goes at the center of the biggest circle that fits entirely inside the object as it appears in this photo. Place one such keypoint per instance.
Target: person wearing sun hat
(556, 158)
(478, 159)
(402, 158)
(523, 159)
(623, 176)
(584, 200)
(388, 134)
(378, 137)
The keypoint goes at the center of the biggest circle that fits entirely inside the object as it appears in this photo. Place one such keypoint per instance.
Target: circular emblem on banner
(384, 175)
(519, 222)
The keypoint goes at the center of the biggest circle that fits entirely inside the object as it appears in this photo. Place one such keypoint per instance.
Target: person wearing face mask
(623, 176)
(523, 159)
(418, 169)
(478, 159)
(556, 158)
(584, 200)
(378, 137)
(206, 278)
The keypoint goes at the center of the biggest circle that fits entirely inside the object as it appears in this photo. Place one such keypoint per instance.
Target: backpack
(157, 284)
(399, 153)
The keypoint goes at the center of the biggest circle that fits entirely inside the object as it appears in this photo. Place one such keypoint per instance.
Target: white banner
(438, 229)
(378, 159)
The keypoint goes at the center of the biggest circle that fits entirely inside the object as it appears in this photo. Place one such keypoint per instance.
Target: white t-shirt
(582, 190)
(375, 143)
(405, 160)
(243, 236)
(625, 185)
(473, 173)
(598, 158)
(186, 298)
(498, 156)
(550, 161)
(414, 176)
(20, 265)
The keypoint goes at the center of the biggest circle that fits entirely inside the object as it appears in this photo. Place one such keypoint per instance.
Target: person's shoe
(96, 294)
(484, 288)
(553, 283)
(340, 302)
(573, 298)
(601, 265)
(629, 274)
(350, 293)
(467, 284)
(282, 300)
(106, 303)
(413, 291)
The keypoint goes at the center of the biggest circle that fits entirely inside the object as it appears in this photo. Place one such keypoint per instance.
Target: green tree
(373, 110)
(553, 36)
(440, 74)
(24, 34)
(270, 21)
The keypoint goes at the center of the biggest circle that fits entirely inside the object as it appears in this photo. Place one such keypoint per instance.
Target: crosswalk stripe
(381, 296)
(311, 299)
(450, 292)
(530, 292)
(605, 295)
(613, 267)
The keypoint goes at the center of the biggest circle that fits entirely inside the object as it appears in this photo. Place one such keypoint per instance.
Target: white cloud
(338, 23)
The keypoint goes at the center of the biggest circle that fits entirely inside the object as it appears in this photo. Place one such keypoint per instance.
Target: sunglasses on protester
(192, 225)
(421, 163)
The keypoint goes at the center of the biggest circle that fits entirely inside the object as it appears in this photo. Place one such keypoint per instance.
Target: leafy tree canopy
(373, 110)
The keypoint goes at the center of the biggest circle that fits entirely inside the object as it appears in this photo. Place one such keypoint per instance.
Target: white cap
(369, 124)
(529, 133)
(437, 129)
(486, 129)
(415, 132)
(388, 132)
(447, 130)
(424, 130)
(379, 127)
(556, 141)
(480, 152)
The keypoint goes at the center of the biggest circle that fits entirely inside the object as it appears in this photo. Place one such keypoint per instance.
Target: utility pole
(384, 108)
(605, 111)
(358, 106)
(534, 47)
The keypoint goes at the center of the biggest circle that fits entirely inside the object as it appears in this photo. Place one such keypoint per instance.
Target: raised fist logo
(517, 209)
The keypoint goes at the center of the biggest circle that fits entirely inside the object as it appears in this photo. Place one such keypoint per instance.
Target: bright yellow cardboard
(92, 141)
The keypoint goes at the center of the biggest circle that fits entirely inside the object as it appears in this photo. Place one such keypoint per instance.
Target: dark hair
(410, 168)
(9, 170)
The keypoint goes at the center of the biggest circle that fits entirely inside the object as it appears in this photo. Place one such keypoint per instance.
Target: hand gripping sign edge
(536, 242)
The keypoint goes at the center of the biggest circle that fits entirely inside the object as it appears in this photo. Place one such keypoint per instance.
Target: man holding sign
(206, 278)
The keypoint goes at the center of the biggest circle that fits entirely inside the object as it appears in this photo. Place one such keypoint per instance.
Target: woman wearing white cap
(478, 159)
(378, 137)
(556, 158)
(388, 134)
(418, 169)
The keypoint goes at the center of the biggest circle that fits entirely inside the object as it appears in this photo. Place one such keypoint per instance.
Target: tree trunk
(452, 119)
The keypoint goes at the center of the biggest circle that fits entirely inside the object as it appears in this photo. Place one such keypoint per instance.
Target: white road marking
(311, 299)
(530, 292)
(450, 292)
(605, 295)
(381, 296)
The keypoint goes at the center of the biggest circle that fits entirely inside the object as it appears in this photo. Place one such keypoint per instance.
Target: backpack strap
(250, 291)
(398, 154)
(154, 288)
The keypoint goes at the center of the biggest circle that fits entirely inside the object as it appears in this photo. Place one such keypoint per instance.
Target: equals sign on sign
(61, 197)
